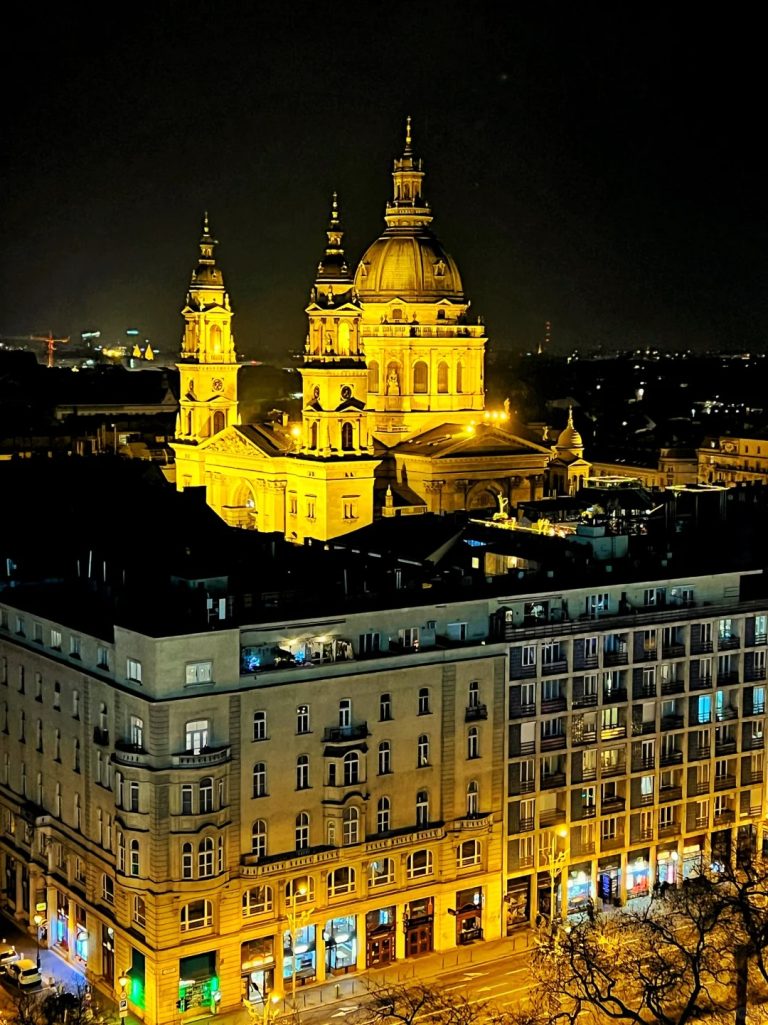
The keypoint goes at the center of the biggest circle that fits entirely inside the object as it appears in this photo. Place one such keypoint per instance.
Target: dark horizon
(594, 173)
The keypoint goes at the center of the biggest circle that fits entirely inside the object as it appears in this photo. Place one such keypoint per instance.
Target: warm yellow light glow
(295, 431)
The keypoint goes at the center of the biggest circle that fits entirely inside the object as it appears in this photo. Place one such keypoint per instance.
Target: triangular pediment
(247, 440)
(456, 440)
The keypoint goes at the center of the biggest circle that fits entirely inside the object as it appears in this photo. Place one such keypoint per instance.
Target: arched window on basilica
(420, 378)
(219, 421)
(460, 377)
(373, 376)
(442, 377)
(347, 436)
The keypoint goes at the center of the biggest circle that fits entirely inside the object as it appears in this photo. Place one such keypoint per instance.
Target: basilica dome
(410, 264)
(569, 437)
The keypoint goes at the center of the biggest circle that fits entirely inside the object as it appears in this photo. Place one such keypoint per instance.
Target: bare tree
(404, 1004)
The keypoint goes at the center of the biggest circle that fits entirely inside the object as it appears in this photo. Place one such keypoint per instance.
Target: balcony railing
(559, 668)
(551, 817)
(673, 650)
(646, 654)
(726, 713)
(585, 737)
(558, 704)
(526, 825)
(553, 781)
(587, 811)
(701, 786)
(640, 729)
(338, 734)
(617, 769)
(667, 794)
(616, 658)
(521, 711)
(725, 747)
(553, 743)
(641, 764)
(579, 848)
(700, 683)
(188, 760)
(728, 643)
(696, 753)
(701, 647)
(616, 696)
(610, 843)
(522, 747)
(673, 686)
(756, 777)
(669, 829)
(725, 782)
(726, 677)
(756, 708)
(613, 732)
(645, 690)
(521, 786)
(585, 662)
(522, 672)
(672, 722)
(671, 757)
(611, 805)
(724, 816)
(754, 673)
(750, 743)
(584, 700)
(475, 713)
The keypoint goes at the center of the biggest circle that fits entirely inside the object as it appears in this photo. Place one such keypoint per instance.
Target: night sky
(594, 166)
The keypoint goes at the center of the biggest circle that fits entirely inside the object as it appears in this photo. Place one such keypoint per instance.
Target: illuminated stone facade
(393, 393)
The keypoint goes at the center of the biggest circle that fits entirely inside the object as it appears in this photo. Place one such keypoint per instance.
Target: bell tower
(208, 364)
(334, 374)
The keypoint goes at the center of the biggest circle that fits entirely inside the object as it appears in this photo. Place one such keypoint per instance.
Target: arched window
(302, 772)
(215, 337)
(300, 891)
(351, 768)
(206, 794)
(188, 422)
(350, 826)
(468, 853)
(442, 377)
(302, 831)
(373, 376)
(383, 815)
(260, 779)
(340, 881)
(205, 858)
(419, 864)
(186, 861)
(473, 742)
(422, 751)
(422, 808)
(420, 378)
(219, 421)
(134, 867)
(460, 377)
(313, 435)
(102, 716)
(197, 915)
(473, 799)
(347, 436)
(381, 872)
(257, 901)
(259, 838)
(385, 757)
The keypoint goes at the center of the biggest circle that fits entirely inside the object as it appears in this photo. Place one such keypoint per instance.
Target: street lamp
(297, 920)
(38, 920)
(556, 861)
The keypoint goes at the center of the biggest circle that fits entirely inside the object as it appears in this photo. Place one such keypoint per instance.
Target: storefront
(469, 915)
(693, 858)
(638, 874)
(300, 956)
(666, 868)
(257, 968)
(61, 922)
(609, 881)
(418, 926)
(518, 903)
(340, 938)
(380, 929)
(579, 890)
(81, 935)
(199, 983)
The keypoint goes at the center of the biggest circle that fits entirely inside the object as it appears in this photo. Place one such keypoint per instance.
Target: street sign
(122, 1007)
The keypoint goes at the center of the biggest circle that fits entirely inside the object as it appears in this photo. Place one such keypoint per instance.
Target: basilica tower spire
(408, 208)
(208, 363)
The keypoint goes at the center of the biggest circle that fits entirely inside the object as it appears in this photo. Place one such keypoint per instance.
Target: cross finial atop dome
(570, 416)
(408, 134)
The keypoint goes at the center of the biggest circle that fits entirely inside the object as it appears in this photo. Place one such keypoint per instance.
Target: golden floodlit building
(393, 392)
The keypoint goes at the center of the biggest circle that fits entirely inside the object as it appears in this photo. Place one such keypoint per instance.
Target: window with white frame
(385, 707)
(186, 798)
(198, 914)
(468, 853)
(134, 864)
(351, 768)
(198, 672)
(205, 792)
(385, 758)
(381, 872)
(422, 808)
(473, 799)
(186, 861)
(257, 900)
(423, 705)
(350, 826)
(205, 858)
(196, 736)
(340, 881)
(302, 831)
(259, 725)
(473, 742)
(139, 911)
(136, 733)
(608, 828)
(259, 788)
(133, 670)
(259, 838)
(302, 719)
(108, 889)
(422, 751)
(419, 864)
(345, 713)
(302, 772)
(74, 646)
(528, 656)
(383, 815)
(300, 890)
(55, 639)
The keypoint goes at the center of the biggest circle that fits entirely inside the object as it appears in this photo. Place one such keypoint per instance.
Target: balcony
(725, 782)
(646, 654)
(555, 743)
(667, 794)
(671, 757)
(549, 705)
(725, 747)
(522, 747)
(616, 658)
(612, 805)
(612, 843)
(759, 639)
(755, 708)
(522, 711)
(617, 769)
(526, 825)
(645, 690)
(728, 643)
(551, 817)
(475, 713)
(640, 729)
(585, 662)
(751, 743)
(673, 686)
(754, 673)
(701, 822)
(672, 722)
(522, 786)
(584, 700)
(208, 756)
(731, 676)
(643, 764)
(756, 777)
(558, 668)
(673, 650)
(726, 713)
(696, 753)
(130, 754)
(669, 829)
(700, 683)
(579, 848)
(700, 787)
(585, 737)
(723, 817)
(616, 696)
(587, 775)
(701, 647)
(340, 734)
(641, 834)
(553, 781)
(613, 732)
(587, 811)
(522, 672)
(645, 801)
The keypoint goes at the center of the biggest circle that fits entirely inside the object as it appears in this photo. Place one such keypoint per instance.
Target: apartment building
(249, 810)
(636, 738)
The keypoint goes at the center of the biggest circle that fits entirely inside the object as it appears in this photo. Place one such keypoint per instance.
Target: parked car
(8, 954)
(24, 972)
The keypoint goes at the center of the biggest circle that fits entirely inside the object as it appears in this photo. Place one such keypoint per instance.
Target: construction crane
(49, 340)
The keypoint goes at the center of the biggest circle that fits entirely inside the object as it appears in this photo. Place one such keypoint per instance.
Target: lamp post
(123, 1005)
(38, 920)
(555, 863)
(297, 920)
